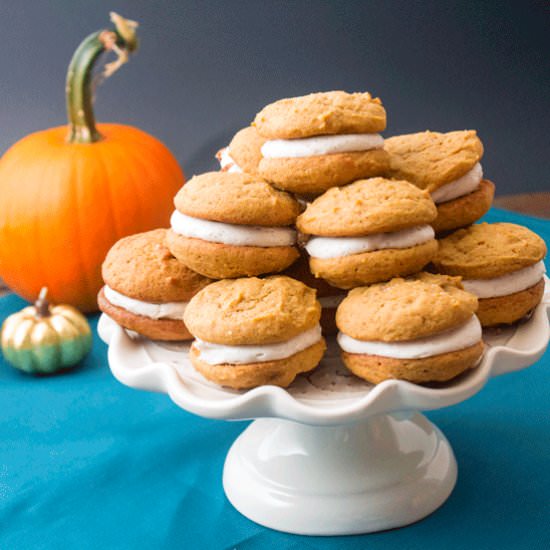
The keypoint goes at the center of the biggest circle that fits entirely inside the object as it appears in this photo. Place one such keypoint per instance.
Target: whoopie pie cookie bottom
(314, 175)
(155, 329)
(371, 267)
(280, 373)
(437, 368)
(464, 210)
(224, 261)
(505, 310)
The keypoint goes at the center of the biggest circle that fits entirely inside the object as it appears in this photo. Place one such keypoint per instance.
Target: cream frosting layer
(217, 354)
(458, 188)
(458, 338)
(506, 284)
(227, 163)
(336, 247)
(166, 310)
(236, 235)
(321, 145)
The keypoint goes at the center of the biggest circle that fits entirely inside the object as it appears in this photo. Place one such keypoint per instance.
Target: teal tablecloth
(88, 463)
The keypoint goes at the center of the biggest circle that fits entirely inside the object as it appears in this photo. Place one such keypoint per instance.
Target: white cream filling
(459, 187)
(455, 339)
(227, 163)
(336, 247)
(507, 284)
(216, 354)
(166, 310)
(321, 145)
(226, 233)
(331, 301)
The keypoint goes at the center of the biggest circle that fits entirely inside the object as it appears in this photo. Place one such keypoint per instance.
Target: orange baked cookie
(146, 288)
(369, 231)
(501, 263)
(322, 140)
(229, 225)
(243, 154)
(421, 329)
(447, 165)
(250, 332)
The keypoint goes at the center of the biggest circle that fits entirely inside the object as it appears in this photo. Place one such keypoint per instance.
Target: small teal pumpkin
(42, 339)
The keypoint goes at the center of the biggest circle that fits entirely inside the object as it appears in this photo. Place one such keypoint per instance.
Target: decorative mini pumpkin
(68, 194)
(44, 339)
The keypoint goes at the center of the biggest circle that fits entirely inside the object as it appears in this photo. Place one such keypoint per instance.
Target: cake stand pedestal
(375, 474)
(331, 454)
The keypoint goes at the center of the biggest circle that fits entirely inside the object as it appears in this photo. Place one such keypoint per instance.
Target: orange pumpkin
(67, 194)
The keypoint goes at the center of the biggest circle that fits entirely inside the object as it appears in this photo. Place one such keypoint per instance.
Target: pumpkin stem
(80, 82)
(42, 305)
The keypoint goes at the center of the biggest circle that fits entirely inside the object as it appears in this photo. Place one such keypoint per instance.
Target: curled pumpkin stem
(122, 41)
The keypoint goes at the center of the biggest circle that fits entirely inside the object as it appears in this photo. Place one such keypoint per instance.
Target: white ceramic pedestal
(331, 454)
(372, 475)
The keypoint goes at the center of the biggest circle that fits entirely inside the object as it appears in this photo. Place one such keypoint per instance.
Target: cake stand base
(384, 472)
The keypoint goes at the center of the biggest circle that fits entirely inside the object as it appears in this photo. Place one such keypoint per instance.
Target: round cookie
(375, 205)
(146, 288)
(236, 199)
(446, 165)
(433, 159)
(405, 309)
(251, 375)
(322, 140)
(438, 368)
(464, 210)
(369, 231)
(314, 175)
(501, 263)
(371, 267)
(254, 331)
(321, 113)
(243, 154)
(420, 329)
(229, 225)
(488, 250)
(506, 310)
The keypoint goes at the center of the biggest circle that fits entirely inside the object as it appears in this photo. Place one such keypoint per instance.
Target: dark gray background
(205, 68)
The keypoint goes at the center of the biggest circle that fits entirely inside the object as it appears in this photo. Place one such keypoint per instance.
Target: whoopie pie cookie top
(246, 149)
(235, 198)
(141, 267)
(323, 113)
(432, 159)
(405, 309)
(374, 205)
(252, 311)
(487, 250)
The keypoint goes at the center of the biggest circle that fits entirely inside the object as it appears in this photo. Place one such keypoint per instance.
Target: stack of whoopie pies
(316, 224)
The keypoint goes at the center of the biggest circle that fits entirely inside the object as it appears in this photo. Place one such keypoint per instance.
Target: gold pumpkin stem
(42, 305)
(122, 40)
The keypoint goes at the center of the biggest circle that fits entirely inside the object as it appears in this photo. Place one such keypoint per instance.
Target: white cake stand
(330, 455)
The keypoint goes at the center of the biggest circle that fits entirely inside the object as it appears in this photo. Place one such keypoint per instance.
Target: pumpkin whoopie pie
(243, 154)
(320, 140)
(369, 231)
(146, 289)
(229, 225)
(421, 329)
(446, 165)
(249, 332)
(501, 263)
